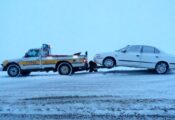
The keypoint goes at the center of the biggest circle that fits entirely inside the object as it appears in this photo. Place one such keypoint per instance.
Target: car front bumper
(98, 61)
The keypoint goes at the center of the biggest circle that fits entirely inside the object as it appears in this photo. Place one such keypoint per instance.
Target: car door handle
(157, 56)
(137, 55)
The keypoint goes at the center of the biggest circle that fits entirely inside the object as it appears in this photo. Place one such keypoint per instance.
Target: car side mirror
(123, 51)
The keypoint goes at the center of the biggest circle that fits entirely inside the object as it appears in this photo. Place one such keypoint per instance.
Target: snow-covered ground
(119, 93)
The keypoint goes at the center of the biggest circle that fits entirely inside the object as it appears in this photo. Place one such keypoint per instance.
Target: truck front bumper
(1, 69)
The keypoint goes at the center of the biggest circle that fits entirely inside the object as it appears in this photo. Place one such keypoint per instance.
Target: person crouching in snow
(92, 67)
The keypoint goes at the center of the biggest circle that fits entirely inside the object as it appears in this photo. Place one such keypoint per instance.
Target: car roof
(143, 45)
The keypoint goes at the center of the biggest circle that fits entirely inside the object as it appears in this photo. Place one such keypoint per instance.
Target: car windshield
(123, 49)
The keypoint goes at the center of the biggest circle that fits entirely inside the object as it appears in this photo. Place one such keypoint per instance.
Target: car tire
(65, 69)
(13, 70)
(25, 73)
(109, 62)
(161, 68)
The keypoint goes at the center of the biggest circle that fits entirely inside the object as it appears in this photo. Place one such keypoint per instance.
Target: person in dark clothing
(92, 67)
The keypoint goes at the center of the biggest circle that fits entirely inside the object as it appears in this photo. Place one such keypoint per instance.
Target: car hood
(105, 54)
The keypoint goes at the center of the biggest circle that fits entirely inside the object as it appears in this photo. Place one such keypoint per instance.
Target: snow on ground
(119, 93)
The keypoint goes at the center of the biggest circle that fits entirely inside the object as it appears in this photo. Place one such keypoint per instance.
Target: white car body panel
(149, 60)
(124, 58)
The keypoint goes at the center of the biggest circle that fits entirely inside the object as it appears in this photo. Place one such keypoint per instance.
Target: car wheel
(13, 70)
(109, 62)
(64, 69)
(25, 73)
(161, 68)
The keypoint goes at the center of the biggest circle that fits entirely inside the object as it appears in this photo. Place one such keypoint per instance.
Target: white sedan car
(139, 56)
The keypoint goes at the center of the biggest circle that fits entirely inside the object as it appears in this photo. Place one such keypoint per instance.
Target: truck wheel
(25, 73)
(13, 70)
(65, 69)
(109, 62)
(161, 68)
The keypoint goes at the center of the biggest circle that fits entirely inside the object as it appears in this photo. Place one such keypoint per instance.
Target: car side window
(133, 49)
(33, 53)
(147, 49)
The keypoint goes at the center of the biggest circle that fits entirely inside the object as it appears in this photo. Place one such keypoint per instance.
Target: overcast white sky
(78, 25)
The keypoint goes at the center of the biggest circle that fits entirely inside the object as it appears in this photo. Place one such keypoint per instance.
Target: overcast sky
(78, 25)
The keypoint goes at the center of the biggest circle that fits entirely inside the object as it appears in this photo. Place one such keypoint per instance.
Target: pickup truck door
(129, 57)
(32, 60)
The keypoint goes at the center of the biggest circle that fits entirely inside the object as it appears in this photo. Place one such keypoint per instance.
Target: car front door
(32, 60)
(130, 56)
(149, 56)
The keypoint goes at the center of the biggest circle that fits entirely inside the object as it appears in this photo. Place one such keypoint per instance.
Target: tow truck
(41, 59)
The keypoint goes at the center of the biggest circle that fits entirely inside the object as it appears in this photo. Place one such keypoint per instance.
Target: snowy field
(116, 94)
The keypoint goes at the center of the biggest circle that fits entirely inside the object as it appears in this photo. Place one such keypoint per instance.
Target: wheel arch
(162, 62)
(59, 62)
(11, 63)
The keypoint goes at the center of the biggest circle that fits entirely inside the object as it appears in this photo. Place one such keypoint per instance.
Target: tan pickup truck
(41, 59)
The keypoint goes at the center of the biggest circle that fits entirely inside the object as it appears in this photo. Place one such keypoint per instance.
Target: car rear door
(149, 57)
(130, 57)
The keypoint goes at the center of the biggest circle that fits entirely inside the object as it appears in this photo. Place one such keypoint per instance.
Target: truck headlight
(5, 62)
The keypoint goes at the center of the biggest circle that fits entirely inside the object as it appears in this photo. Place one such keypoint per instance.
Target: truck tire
(13, 70)
(25, 73)
(65, 69)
